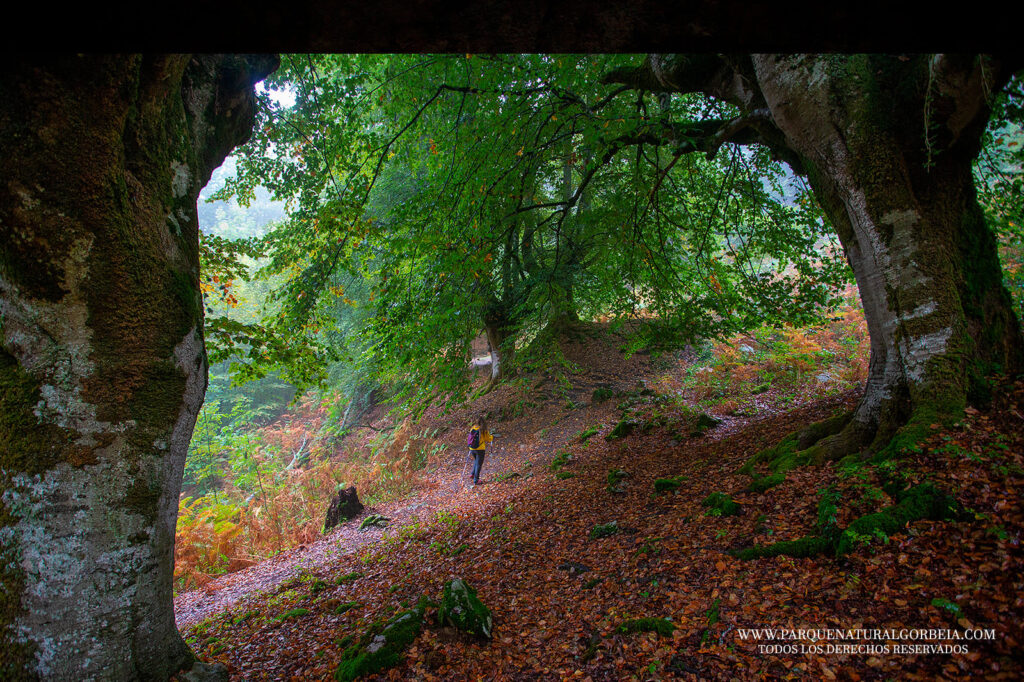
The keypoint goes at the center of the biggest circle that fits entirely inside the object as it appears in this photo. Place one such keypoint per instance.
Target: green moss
(462, 609)
(348, 577)
(920, 502)
(622, 429)
(664, 485)
(588, 433)
(615, 476)
(293, 613)
(720, 504)
(562, 475)
(811, 545)
(662, 626)
(604, 530)
(344, 607)
(373, 520)
(601, 394)
(382, 645)
(592, 583)
(763, 483)
(702, 423)
(713, 614)
(562, 458)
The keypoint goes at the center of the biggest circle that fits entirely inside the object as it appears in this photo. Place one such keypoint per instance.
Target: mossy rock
(461, 609)
(720, 504)
(562, 475)
(703, 423)
(663, 626)
(664, 485)
(615, 476)
(601, 393)
(345, 607)
(622, 429)
(382, 645)
(604, 530)
(561, 459)
(374, 520)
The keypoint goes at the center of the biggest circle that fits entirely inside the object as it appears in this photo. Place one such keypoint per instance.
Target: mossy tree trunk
(102, 364)
(887, 144)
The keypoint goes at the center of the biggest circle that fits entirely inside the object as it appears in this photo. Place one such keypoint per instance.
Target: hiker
(479, 437)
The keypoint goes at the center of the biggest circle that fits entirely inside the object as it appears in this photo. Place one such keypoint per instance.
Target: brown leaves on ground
(558, 596)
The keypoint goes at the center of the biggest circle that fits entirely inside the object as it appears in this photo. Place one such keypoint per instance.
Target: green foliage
(947, 605)
(345, 607)
(506, 189)
(588, 432)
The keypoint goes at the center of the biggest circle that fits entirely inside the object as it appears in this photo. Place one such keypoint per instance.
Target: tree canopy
(435, 195)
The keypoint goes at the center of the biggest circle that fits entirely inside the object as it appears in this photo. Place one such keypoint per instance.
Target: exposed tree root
(922, 501)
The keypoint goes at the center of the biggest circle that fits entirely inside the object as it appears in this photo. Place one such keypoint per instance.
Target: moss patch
(763, 483)
(348, 577)
(664, 485)
(720, 504)
(663, 626)
(382, 645)
(462, 609)
(615, 476)
(604, 530)
(622, 429)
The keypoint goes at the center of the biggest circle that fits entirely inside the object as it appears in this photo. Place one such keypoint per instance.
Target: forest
(745, 330)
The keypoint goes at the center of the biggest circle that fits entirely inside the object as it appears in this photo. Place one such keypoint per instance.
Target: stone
(344, 506)
(461, 609)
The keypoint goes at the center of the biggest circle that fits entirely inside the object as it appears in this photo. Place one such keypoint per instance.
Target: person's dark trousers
(478, 464)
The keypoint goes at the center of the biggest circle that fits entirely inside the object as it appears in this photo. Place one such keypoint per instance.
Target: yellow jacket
(485, 438)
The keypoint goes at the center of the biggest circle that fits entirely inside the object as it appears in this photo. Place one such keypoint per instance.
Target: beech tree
(102, 364)
(887, 144)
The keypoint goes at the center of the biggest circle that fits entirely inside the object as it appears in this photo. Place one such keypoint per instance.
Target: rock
(374, 520)
(382, 645)
(604, 530)
(205, 672)
(461, 609)
(344, 506)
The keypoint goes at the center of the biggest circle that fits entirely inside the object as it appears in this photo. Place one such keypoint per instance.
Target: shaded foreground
(559, 595)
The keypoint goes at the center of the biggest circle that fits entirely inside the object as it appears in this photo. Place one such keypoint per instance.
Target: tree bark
(500, 341)
(102, 364)
(887, 144)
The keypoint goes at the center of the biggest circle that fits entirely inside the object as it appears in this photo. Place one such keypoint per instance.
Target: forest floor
(524, 539)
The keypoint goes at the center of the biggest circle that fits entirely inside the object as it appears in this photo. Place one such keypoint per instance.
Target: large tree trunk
(887, 144)
(500, 341)
(102, 365)
(924, 259)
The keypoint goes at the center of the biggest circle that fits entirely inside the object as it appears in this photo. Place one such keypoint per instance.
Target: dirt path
(521, 443)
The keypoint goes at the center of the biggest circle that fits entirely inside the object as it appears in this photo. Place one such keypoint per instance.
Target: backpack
(474, 439)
